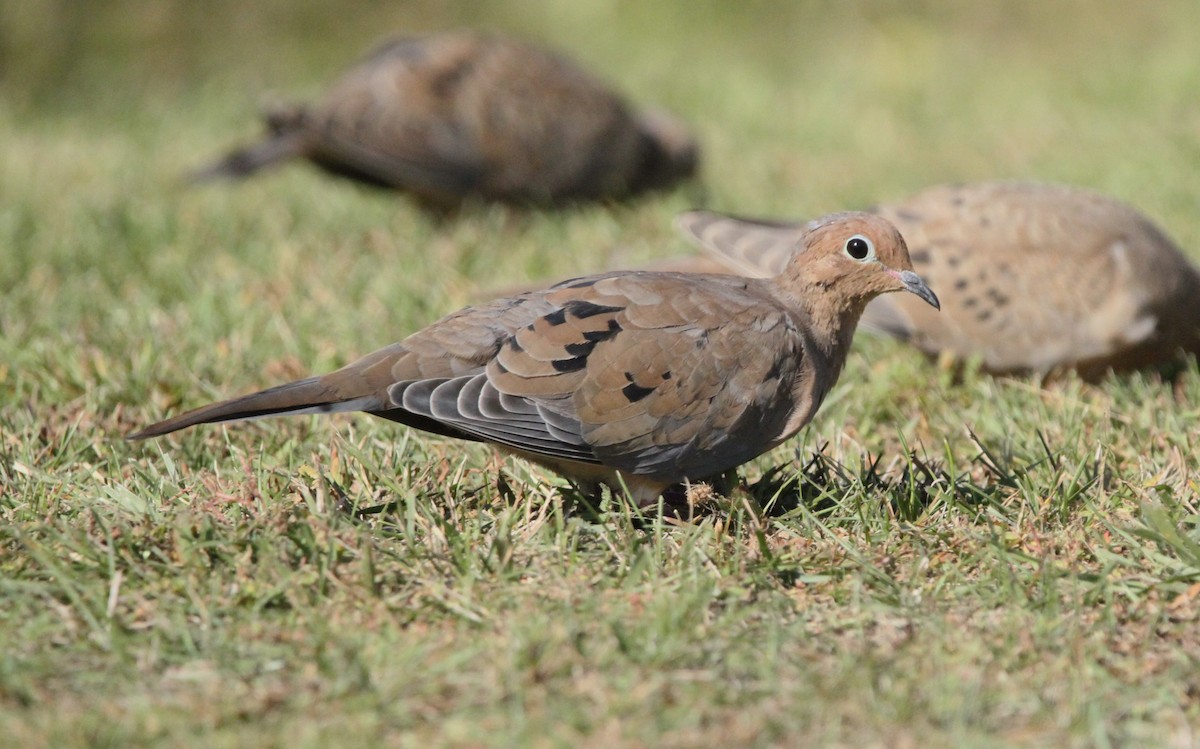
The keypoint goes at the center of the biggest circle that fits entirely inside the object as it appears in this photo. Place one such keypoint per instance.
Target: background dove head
(845, 260)
(672, 153)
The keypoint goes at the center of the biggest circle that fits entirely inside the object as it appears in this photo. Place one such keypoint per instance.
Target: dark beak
(912, 282)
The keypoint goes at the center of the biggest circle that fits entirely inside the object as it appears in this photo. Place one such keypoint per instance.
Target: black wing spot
(514, 344)
(582, 310)
(596, 336)
(569, 365)
(634, 392)
(666, 375)
(585, 283)
(581, 349)
(555, 318)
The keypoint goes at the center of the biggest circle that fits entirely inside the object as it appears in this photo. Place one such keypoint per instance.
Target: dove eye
(860, 248)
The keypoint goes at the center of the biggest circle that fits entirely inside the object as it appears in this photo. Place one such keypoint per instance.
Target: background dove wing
(392, 119)
(453, 114)
(752, 247)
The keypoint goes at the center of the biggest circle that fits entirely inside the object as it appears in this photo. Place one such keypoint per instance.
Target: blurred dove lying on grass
(636, 378)
(462, 114)
(1032, 277)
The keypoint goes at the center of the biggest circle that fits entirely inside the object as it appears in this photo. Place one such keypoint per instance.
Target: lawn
(937, 561)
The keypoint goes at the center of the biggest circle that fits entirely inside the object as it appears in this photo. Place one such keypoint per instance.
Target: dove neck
(830, 319)
(828, 322)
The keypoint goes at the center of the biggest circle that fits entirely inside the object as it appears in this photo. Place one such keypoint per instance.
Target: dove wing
(649, 373)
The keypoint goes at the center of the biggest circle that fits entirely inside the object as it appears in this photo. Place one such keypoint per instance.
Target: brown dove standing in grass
(1032, 277)
(462, 114)
(636, 378)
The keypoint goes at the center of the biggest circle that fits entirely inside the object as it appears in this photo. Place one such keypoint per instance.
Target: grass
(934, 562)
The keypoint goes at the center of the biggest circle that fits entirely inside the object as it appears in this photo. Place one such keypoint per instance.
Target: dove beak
(912, 282)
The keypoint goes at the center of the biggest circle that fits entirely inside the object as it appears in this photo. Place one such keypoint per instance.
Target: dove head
(847, 259)
(671, 152)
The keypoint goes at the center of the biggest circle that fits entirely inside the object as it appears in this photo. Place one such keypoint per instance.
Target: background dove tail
(246, 161)
(311, 396)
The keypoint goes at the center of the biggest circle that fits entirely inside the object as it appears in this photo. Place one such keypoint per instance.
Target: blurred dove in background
(1032, 277)
(469, 114)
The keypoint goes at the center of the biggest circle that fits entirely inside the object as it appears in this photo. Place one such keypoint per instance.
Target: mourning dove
(634, 378)
(1032, 277)
(464, 113)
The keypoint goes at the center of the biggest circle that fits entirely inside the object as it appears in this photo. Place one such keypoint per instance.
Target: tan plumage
(463, 114)
(1032, 277)
(643, 378)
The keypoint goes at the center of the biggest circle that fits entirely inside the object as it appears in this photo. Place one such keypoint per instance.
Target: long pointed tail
(301, 397)
(246, 161)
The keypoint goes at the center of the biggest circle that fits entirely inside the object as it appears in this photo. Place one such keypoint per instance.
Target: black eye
(860, 248)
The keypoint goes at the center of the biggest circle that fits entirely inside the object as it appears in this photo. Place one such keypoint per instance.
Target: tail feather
(245, 161)
(311, 396)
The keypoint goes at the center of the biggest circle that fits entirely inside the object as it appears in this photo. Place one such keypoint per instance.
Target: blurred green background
(821, 102)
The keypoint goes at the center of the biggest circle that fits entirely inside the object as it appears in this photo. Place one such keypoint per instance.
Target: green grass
(934, 562)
